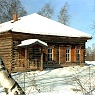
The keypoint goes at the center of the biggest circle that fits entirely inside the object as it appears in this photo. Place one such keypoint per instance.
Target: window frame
(78, 55)
(68, 54)
(50, 54)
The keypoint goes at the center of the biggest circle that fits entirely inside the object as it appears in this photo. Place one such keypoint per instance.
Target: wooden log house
(34, 42)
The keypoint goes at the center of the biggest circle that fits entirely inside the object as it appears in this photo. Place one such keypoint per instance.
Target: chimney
(15, 17)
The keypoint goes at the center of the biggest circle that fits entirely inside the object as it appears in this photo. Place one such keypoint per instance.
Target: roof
(37, 24)
(32, 42)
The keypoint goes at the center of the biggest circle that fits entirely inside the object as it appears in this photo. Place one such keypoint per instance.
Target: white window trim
(51, 53)
(69, 48)
(80, 53)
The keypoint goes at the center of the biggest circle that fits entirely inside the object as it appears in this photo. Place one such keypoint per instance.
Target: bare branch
(64, 16)
(47, 11)
(8, 8)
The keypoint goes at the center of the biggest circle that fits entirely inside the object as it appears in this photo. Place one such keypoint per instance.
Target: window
(49, 54)
(68, 55)
(77, 55)
(34, 53)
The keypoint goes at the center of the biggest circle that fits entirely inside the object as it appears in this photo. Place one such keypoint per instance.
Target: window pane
(67, 54)
(49, 54)
(77, 55)
(49, 50)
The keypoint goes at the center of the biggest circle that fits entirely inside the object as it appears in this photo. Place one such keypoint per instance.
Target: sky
(82, 13)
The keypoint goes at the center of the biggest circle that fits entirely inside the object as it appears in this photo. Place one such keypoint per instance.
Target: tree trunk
(10, 86)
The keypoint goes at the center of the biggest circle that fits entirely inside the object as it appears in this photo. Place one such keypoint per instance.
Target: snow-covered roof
(36, 24)
(32, 42)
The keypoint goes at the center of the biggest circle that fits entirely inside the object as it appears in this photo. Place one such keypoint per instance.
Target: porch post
(59, 54)
(41, 68)
(26, 64)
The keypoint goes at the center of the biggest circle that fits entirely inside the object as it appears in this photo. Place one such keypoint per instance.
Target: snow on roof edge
(32, 41)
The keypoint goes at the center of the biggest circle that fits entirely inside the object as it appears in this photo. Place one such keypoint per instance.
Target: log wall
(6, 51)
(15, 54)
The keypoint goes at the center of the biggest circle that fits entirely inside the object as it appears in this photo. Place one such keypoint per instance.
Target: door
(34, 57)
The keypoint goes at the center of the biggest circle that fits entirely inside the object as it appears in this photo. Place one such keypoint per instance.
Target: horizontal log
(6, 50)
(5, 46)
(7, 40)
(6, 55)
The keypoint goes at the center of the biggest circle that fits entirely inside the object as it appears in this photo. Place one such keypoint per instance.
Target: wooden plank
(62, 56)
(57, 54)
(54, 53)
(82, 55)
(46, 55)
(73, 54)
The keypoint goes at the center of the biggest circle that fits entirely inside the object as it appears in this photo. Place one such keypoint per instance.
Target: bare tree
(93, 50)
(47, 11)
(86, 83)
(64, 15)
(90, 53)
(8, 83)
(10, 7)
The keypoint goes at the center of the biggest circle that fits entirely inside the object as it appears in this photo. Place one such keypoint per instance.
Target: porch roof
(32, 42)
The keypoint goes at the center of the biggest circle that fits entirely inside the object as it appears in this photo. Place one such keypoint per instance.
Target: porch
(25, 65)
(30, 55)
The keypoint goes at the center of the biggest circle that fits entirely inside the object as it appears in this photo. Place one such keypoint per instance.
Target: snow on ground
(90, 62)
(56, 81)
